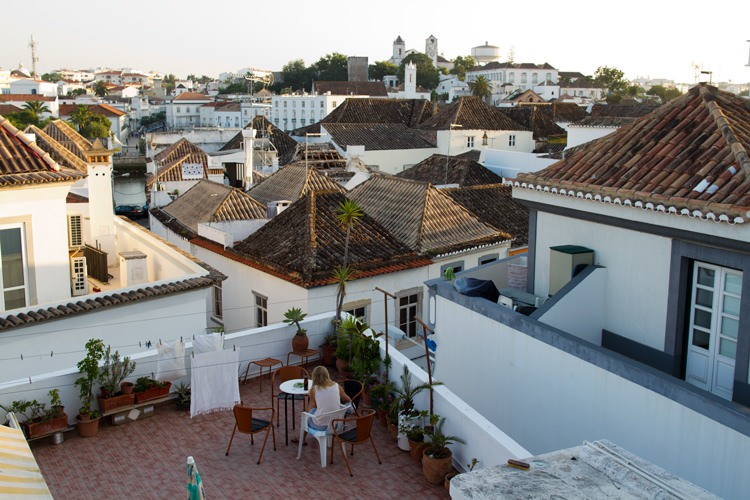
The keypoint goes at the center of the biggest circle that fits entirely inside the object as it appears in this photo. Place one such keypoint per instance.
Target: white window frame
(470, 141)
(218, 302)
(261, 309)
(24, 263)
(75, 231)
(410, 326)
(486, 259)
(512, 141)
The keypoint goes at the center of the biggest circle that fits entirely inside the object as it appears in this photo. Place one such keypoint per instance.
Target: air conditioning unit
(566, 261)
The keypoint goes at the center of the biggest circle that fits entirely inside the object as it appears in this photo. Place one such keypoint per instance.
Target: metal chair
(283, 374)
(323, 436)
(247, 424)
(353, 389)
(359, 434)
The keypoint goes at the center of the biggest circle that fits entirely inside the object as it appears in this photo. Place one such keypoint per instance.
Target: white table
(294, 387)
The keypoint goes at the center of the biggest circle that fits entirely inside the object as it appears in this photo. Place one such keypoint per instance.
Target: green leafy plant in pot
(405, 396)
(294, 316)
(88, 419)
(437, 456)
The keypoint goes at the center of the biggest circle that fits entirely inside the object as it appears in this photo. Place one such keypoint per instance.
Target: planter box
(153, 393)
(109, 404)
(38, 429)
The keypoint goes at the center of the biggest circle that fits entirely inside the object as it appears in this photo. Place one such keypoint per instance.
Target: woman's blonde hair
(321, 377)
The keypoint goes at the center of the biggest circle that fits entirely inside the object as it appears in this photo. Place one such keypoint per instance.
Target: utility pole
(34, 58)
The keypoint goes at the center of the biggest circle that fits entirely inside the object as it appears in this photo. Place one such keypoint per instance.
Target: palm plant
(349, 214)
(481, 87)
(407, 393)
(36, 107)
(438, 447)
(293, 317)
(100, 89)
(80, 117)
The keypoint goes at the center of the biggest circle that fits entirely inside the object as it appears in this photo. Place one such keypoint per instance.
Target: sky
(649, 39)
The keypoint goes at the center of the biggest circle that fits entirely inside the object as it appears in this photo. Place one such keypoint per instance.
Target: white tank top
(326, 400)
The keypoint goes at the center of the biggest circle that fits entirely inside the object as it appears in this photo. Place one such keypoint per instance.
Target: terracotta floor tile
(146, 459)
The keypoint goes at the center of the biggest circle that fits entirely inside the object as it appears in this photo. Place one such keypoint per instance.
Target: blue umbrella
(194, 485)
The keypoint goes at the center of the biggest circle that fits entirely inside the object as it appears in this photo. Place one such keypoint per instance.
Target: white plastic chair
(323, 437)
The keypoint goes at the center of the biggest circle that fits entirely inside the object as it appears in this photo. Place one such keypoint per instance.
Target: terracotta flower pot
(127, 387)
(342, 365)
(87, 427)
(416, 448)
(300, 343)
(329, 354)
(448, 477)
(435, 469)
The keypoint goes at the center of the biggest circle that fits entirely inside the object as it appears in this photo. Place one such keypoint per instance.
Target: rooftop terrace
(146, 459)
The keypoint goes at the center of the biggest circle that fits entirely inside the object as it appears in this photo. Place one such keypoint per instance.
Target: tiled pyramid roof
(57, 151)
(461, 171)
(471, 113)
(208, 201)
(305, 243)
(169, 162)
(24, 163)
(422, 216)
(689, 156)
(290, 183)
(68, 137)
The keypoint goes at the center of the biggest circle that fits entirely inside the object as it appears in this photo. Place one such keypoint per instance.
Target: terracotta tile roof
(286, 147)
(25, 98)
(688, 157)
(208, 201)
(22, 162)
(614, 115)
(376, 136)
(461, 171)
(116, 298)
(472, 113)
(320, 155)
(6, 109)
(57, 151)
(290, 183)
(423, 217)
(537, 118)
(193, 96)
(65, 135)
(566, 112)
(169, 161)
(375, 89)
(410, 112)
(305, 243)
(75, 198)
(494, 205)
(97, 109)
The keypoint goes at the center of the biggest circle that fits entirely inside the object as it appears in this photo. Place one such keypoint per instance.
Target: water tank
(485, 53)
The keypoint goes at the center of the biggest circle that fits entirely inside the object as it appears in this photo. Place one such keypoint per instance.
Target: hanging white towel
(171, 363)
(208, 342)
(214, 385)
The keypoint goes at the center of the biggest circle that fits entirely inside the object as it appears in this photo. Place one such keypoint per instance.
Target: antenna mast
(34, 58)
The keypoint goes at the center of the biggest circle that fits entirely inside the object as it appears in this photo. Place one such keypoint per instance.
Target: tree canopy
(203, 79)
(382, 68)
(100, 89)
(427, 75)
(296, 75)
(612, 79)
(234, 88)
(666, 93)
(331, 67)
(90, 125)
(168, 83)
(51, 77)
(461, 64)
(481, 87)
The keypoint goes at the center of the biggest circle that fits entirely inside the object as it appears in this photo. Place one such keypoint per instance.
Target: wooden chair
(281, 375)
(247, 424)
(353, 389)
(354, 435)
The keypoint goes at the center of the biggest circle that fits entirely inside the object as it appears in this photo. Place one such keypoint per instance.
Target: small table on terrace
(293, 387)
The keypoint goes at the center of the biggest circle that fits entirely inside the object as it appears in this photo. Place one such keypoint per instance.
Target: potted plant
(405, 396)
(111, 376)
(183, 396)
(328, 347)
(38, 420)
(87, 420)
(415, 436)
(351, 331)
(147, 388)
(382, 398)
(437, 457)
(294, 316)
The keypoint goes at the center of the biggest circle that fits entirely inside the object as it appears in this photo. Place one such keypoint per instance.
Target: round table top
(295, 386)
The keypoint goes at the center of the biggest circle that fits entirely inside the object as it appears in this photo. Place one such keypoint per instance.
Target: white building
(183, 112)
(292, 111)
(34, 87)
(508, 77)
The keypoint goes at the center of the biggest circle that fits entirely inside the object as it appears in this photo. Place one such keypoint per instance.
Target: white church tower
(399, 51)
(410, 81)
(431, 49)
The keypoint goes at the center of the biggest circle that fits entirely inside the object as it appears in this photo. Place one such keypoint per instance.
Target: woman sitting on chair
(325, 396)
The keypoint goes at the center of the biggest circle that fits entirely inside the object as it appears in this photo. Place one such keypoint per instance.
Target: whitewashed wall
(635, 298)
(547, 399)
(395, 160)
(578, 135)
(509, 164)
(43, 212)
(58, 344)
